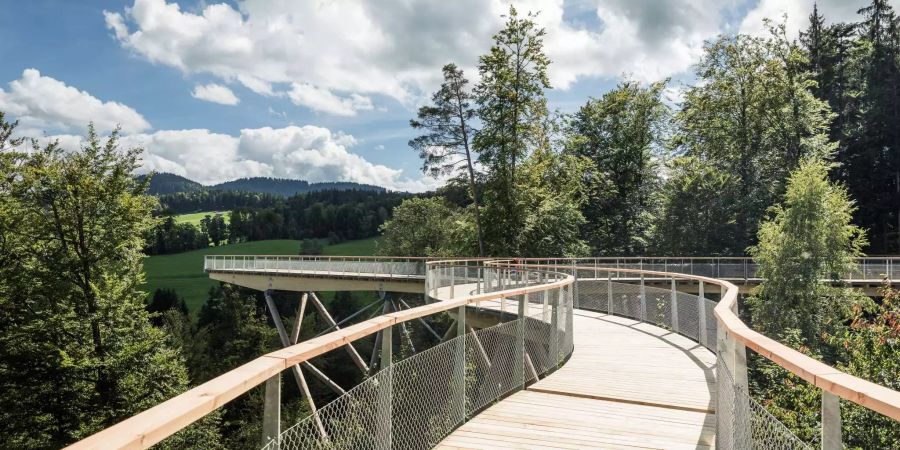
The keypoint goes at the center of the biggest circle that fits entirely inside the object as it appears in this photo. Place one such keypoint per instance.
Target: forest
(335, 215)
(785, 150)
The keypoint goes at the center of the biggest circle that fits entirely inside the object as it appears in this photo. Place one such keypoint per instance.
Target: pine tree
(513, 110)
(445, 149)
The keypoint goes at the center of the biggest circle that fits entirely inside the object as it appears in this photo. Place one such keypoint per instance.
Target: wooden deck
(627, 385)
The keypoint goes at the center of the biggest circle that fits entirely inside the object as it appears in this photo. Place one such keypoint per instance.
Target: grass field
(184, 271)
(194, 218)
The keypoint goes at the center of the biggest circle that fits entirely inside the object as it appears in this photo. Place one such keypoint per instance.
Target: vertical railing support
(519, 362)
(701, 320)
(674, 306)
(385, 376)
(609, 293)
(643, 299)
(459, 365)
(554, 327)
(272, 412)
(831, 421)
(452, 281)
(575, 299)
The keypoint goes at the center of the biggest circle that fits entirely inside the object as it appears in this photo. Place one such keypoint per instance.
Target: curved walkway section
(627, 384)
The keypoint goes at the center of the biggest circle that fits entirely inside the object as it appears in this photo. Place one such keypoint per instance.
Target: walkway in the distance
(627, 385)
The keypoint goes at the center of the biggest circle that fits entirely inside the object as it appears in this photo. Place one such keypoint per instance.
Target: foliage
(337, 215)
(550, 192)
(163, 300)
(169, 236)
(311, 247)
(809, 238)
(857, 70)
(752, 115)
(232, 330)
(622, 134)
(870, 349)
(215, 227)
(698, 210)
(72, 315)
(427, 227)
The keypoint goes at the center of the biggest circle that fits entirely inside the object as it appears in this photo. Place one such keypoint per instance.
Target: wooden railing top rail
(165, 419)
(857, 390)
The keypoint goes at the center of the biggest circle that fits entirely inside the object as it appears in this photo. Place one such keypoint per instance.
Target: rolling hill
(169, 183)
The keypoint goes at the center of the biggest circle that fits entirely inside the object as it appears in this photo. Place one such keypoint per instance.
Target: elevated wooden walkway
(627, 385)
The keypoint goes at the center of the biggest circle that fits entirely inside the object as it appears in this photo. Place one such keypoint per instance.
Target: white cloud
(798, 12)
(313, 50)
(309, 153)
(319, 99)
(42, 102)
(215, 93)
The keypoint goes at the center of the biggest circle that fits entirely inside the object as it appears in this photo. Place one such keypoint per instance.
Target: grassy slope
(184, 271)
(194, 218)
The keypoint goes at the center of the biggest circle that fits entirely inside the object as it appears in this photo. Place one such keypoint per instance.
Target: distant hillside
(169, 183)
(287, 188)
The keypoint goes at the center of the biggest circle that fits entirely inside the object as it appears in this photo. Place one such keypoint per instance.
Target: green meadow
(195, 218)
(184, 271)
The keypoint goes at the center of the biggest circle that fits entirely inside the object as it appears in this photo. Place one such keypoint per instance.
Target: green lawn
(194, 218)
(184, 271)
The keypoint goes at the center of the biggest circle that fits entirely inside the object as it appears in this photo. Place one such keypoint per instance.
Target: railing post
(554, 327)
(272, 412)
(674, 306)
(643, 300)
(831, 421)
(609, 293)
(452, 281)
(701, 320)
(459, 365)
(575, 301)
(519, 362)
(385, 392)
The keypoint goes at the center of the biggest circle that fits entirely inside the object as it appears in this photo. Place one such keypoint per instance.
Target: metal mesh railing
(426, 395)
(742, 423)
(387, 267)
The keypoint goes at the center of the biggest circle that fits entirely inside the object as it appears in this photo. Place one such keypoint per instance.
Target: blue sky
(324, 89)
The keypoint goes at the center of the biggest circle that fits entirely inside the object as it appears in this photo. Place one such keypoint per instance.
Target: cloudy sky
(316, 89)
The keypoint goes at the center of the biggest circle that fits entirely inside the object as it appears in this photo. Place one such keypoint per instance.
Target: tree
(77, 350)
(232, 330)
(163, 300)
(752, 115)
(311, 247)
(551, 192)
(698, 213)
(512, 109)
(445, 146)
(427, 227)
(621, 133)
(807, 243)
(872, 156)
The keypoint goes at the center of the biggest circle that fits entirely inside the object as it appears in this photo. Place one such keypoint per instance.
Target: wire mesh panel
(711, 325)
(425, 403)
(349, 421)
(742, 423)
(626, 300)
(688, 315)
(489, 365)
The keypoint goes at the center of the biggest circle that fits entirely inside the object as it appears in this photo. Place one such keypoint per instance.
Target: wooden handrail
(865, 393)
(165, 419)
(155, 424)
